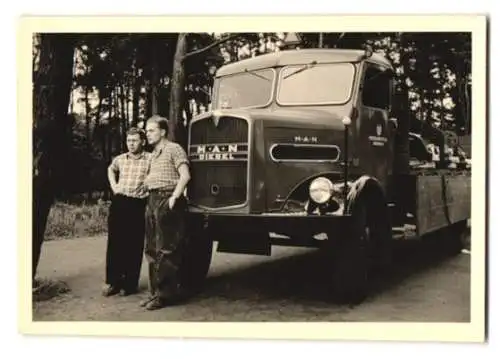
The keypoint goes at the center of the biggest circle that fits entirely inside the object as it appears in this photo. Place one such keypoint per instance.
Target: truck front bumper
(299, 228)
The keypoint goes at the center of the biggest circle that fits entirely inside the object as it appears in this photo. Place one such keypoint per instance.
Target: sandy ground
(287, 286)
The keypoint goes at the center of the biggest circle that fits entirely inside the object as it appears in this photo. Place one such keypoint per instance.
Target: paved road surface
(288, 286)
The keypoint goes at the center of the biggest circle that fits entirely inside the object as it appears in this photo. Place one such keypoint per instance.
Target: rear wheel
(457, 237)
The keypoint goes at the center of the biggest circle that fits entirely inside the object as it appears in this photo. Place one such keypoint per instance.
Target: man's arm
(183, 180)
(181, 162)
(112, 171)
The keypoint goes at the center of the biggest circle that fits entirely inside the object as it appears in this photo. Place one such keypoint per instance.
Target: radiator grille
(217, 183)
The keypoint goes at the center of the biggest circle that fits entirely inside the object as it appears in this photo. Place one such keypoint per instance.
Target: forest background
(89, 89)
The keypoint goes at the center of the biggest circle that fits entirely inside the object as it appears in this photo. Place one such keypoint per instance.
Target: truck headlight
(321, 190)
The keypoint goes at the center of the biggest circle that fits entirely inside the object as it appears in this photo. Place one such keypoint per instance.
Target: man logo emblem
(216, 121)
(379, 130)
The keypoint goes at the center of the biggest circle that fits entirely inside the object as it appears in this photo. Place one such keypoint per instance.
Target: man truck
(311, 148)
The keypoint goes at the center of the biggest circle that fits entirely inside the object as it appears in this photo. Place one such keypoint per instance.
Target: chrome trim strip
(303, 145)
(219, 144)
(233, 160)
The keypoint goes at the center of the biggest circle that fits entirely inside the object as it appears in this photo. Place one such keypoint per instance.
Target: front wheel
(365, 248)
(350, 261)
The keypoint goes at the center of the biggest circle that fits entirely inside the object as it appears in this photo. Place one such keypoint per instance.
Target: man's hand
(114, 188)
(143, 188)
(171, 202)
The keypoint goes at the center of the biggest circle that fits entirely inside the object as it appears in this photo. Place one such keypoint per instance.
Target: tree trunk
(123, 117)
(51, 130)
(111, 122)
(117, 118)
(127, 105)
(135, 102)
(89, 140)
(468, 102)
(154, 85)
(107, 140)
(97, 126)
(176, 126)
(136, 94)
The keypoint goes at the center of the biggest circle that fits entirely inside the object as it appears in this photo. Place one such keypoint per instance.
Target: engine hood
(289, 118)
(299, 118)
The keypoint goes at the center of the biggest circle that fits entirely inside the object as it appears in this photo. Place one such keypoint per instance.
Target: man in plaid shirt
(126, 220)
(165, 214)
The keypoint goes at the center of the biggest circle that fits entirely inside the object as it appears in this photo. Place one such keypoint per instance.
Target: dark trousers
(125, 242)
(165, 240)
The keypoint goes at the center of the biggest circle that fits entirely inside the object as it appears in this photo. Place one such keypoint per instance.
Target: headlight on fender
(321, 190)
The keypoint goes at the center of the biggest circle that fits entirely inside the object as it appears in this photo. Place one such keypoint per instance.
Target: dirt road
(288, 286)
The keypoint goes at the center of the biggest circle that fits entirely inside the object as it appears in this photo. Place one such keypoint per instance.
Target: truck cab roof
(301, 57)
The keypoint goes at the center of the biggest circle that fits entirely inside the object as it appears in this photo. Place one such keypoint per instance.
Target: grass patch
(73, 221)
(46, 289)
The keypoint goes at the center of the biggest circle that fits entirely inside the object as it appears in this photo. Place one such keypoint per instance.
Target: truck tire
(365, 249)
(196, 262)
(456, 237)
(351, 262)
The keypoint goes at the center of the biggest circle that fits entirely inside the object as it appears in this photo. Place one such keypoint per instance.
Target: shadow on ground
(303, 278)
(46, 289)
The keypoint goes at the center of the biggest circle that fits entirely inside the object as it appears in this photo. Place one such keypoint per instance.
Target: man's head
(136, 139)
(156, 129)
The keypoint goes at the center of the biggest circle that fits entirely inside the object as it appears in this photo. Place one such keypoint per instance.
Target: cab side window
(377, 88)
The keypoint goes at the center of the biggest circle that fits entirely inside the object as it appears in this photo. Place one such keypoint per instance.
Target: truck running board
(237, 246)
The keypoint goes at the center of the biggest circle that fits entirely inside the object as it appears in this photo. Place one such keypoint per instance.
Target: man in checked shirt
(126, 218)
(165, 214)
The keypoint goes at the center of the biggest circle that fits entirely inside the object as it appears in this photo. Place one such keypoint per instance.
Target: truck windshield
(247, 89)
(316, 85)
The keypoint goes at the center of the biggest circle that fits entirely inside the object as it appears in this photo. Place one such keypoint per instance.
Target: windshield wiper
(256, 74)
(303, 68)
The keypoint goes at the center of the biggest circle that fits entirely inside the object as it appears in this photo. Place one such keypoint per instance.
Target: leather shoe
(110, 290)
(146, 301)
(156, 303)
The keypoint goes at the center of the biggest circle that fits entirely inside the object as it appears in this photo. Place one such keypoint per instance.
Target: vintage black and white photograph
(252, 176)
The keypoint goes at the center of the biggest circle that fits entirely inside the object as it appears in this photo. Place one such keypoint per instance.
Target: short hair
(136, 131)
(162, 122)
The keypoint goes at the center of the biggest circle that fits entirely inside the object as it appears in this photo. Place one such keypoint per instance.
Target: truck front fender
(365, 188)
(300, 191)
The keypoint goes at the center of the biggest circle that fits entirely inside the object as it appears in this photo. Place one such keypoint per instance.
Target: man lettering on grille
(126, 217)
(165, 214)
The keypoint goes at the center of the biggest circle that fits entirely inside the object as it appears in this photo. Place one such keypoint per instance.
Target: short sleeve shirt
(132, 171)
(164, 166)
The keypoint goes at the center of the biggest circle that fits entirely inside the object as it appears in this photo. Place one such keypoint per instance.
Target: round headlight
(320, 190)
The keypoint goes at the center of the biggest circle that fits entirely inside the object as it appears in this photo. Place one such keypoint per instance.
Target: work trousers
(165, 242)
(125, 247)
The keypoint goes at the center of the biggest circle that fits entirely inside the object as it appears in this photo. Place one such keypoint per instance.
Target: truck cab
(278, 119)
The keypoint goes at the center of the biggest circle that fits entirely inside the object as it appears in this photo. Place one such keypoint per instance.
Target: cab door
(375, 135)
